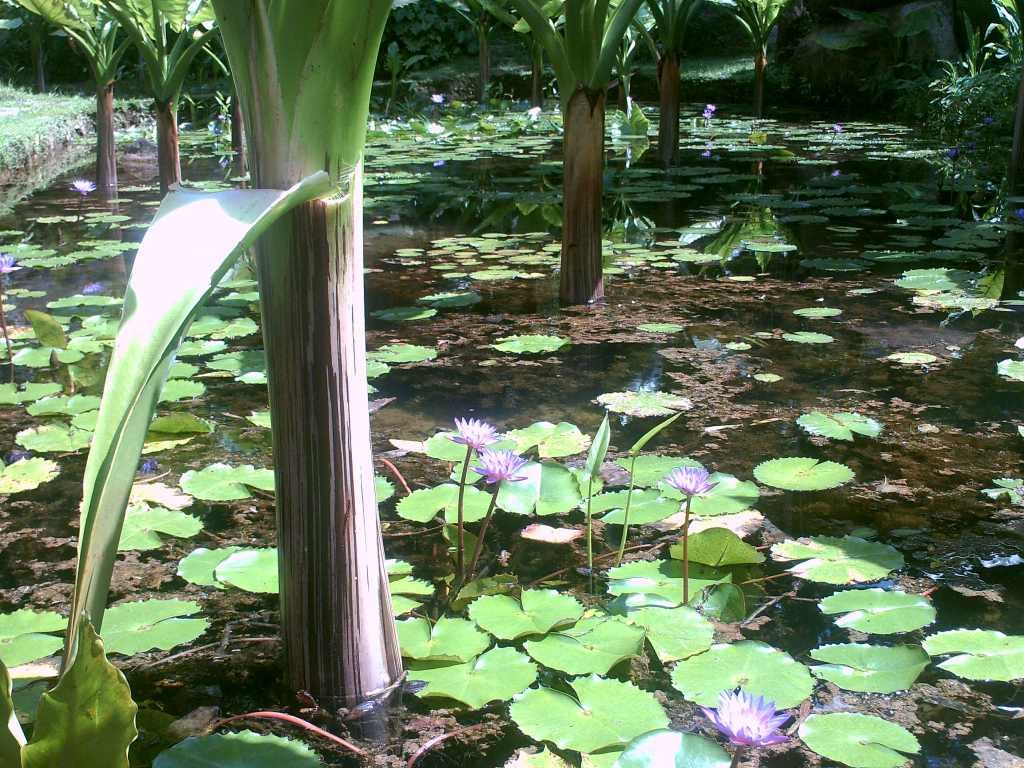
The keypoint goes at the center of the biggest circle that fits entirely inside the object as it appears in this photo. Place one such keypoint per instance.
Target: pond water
(784, 274)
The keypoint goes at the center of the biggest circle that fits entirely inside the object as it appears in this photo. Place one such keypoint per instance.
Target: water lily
(747, 720)
(83, 187)
(953, 153)
(435, 129)
(533, 113)
(437, 98)
(91, 289)
(837, 128)
(498, 466)
(690, 481)
(709, 111)
(474, 433)
(8, 264)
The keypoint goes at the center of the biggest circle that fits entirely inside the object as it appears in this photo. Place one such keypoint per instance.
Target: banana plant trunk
(106, 160)
(1015, 177)
(167, 144)
(668, 123)
(38, 61)
(237, 134)
(760, 65)
(536, 75)
(581, 279)
(483, 35)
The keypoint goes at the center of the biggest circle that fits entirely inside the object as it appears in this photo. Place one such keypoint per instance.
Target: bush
(432, 30)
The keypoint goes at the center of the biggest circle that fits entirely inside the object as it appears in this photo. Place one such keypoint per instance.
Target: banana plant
(303, 70)
(37, 28)
(582, 51)
(758, 18)
(96, 34)
(168, 35)
(671, 19)
(482, 15)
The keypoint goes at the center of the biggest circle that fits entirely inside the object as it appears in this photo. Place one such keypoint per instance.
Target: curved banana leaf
(194, 240)
(73, 14)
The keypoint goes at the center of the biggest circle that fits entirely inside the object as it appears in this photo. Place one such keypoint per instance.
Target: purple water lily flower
(148, 466)
(91, 289)
(748, 721)
(709, 111)
(1019, 213)
(836, 173)
(474, 433)
(437, 98)
(988, 120)
(837, 128)
(496, 466)
(690, 481)
(83, 187)
(16, 455)
(8, 264)
(953, 153)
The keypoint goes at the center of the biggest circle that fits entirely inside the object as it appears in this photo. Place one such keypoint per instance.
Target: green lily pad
(53, 438)
(593, 646)
(718, 547)
(25, 635)
(912, 358)
(832, 560)
(672, 749)
(839, 426)
(530, 344)
(144, 524)
(879, 611)
(222, 482)
(859, 741)
(756, 667)
(253, 570)
(536, 612)
(244, 749)
(179, 390)
(259, 418)
(674, 633)
(11, 394)
(397, 354)
(979, 654)
(808, 337)
(604, 713)
(383, 489)
(662, 578)
(198, 566)
(767, 378)
(550, 440)
(728, 496)
(660, 327)
(644, 403)
(548, 488)
(645, 507)
(403, 314)
(803, 474)
(131, 628)
(424, 503)
(448, 640)
(649, 469)
(26, 475)
(1011, 369)
(870, 668)
(817, 313)
(63, 405)
(497, 675)
(452, 299)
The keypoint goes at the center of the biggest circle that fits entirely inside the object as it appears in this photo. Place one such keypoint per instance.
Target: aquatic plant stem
(460, 547)
(686, 552)
(281, 716)
(625, 514)
(590, 535)
(483, 532)
(3, 327)
(736, 757)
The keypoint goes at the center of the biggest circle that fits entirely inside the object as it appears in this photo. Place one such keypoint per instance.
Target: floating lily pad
(1011, 369)
(548, 488)
(859, 741)
(728, 496)
(603, 713)
(979, 654)
(648, 470)
(756, 667)
(253, 570)
(403, 314)
(531, 344)
(131, 628)
(11, 394)
(54, 438)
(767, 378)
(424, 503)
(593, 646)
(26, 475)
(644, 403)
(674, 633)
(536, 612)
(222, 482)
(662, 578)
(179, 390)
(497, 675)
(244, 749)
(397, 354)
(718, 547)
(833, 560)
(198, 566)
(550, 440)
(660, 327)
(803, 474)
(817, 313)
(143, 526)
(878, 611)
(25, 635)
(645, 507)
(870, 668)
(449, 639)
(912, 358)
(672, 749)
(808, 337)
(839, 426)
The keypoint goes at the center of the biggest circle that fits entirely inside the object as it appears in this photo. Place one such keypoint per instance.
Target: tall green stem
(590, 529)
(483, 532)
(625, 514)
(686, 552)
(3, 327)
(460, 548)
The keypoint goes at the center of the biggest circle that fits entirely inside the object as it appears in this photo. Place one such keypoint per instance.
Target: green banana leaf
(193, 241)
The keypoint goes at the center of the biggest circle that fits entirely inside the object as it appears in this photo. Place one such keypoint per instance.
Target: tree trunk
(1015, 176)
(237, 137)
(167, 144)
(583, 147)
(483, 35)
(106, 160)
(760, 65)
(668, 124)
(536, 75)
(39, 61)
(335, 604)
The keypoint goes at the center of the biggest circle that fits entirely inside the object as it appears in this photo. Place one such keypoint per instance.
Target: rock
(990, 756)
(195, 723)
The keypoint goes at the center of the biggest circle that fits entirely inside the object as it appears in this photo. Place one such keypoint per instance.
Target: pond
(836, 293)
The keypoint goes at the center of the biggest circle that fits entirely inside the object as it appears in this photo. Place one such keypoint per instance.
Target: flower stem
(590, 535)
(625, 514)
(483, 532)
(3, 327)
(686, 552)
(736, 756)
(460, 547)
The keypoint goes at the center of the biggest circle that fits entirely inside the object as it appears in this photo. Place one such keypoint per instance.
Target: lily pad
(25, 635)
(833, 560)
(531, 344)
(253, 570)
(593, 646)
(718, 547)
(645, 507)
(403, 314)
(548, 488)
(817, 313)
(54, 438)
(879, 611)
(244, 749)
(674, 633)
(497, 675)
(450, 639)
(839, 426)
(728, 496)
(131, 628)
(870, 668)
(397, 354)
(803, 474)
(536, 612)
(859, 741)
(26, 475)
(11, 394)
(660, 327)
(644, 403)
(808, 337)
(663, 579)
(672, 749)
(979, 654)
(1011, 369)
(912, 358)
(222, 482)
(198, 565)
(756, 667)
(649, 469)
(144, 524)
(424, 503)
(603, 713)
(550, 440)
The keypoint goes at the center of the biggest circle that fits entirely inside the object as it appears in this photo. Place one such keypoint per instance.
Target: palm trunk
(536, 75)
(335, 604)
(760, 65)
(39, 61)
(581, 280)
(237, 138)
(106, 160)
(1015, 177)
(485, 61)
(668, 124)
(167, 144)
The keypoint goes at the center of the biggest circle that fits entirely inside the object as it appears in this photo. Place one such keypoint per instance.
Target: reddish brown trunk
(537, 75)
(167, 145)
(581, 279)
(760, 65)
(668, 123)
(106, 160)
(485, 62)
(237, 135)
(1015, 177)
(335, 603)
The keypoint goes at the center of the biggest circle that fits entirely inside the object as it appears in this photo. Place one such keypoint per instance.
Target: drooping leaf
(12, 738)
(754, 666)
(833, 560)
(497, 675)
(979, 654)
(536, 612)
(859, 741)
(878, 611)
(870, 668)
(244, 749)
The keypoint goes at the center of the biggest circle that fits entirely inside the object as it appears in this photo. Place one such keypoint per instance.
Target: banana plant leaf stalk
(671, 19)
(592, 470)
(303, 71)
(634, 452)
